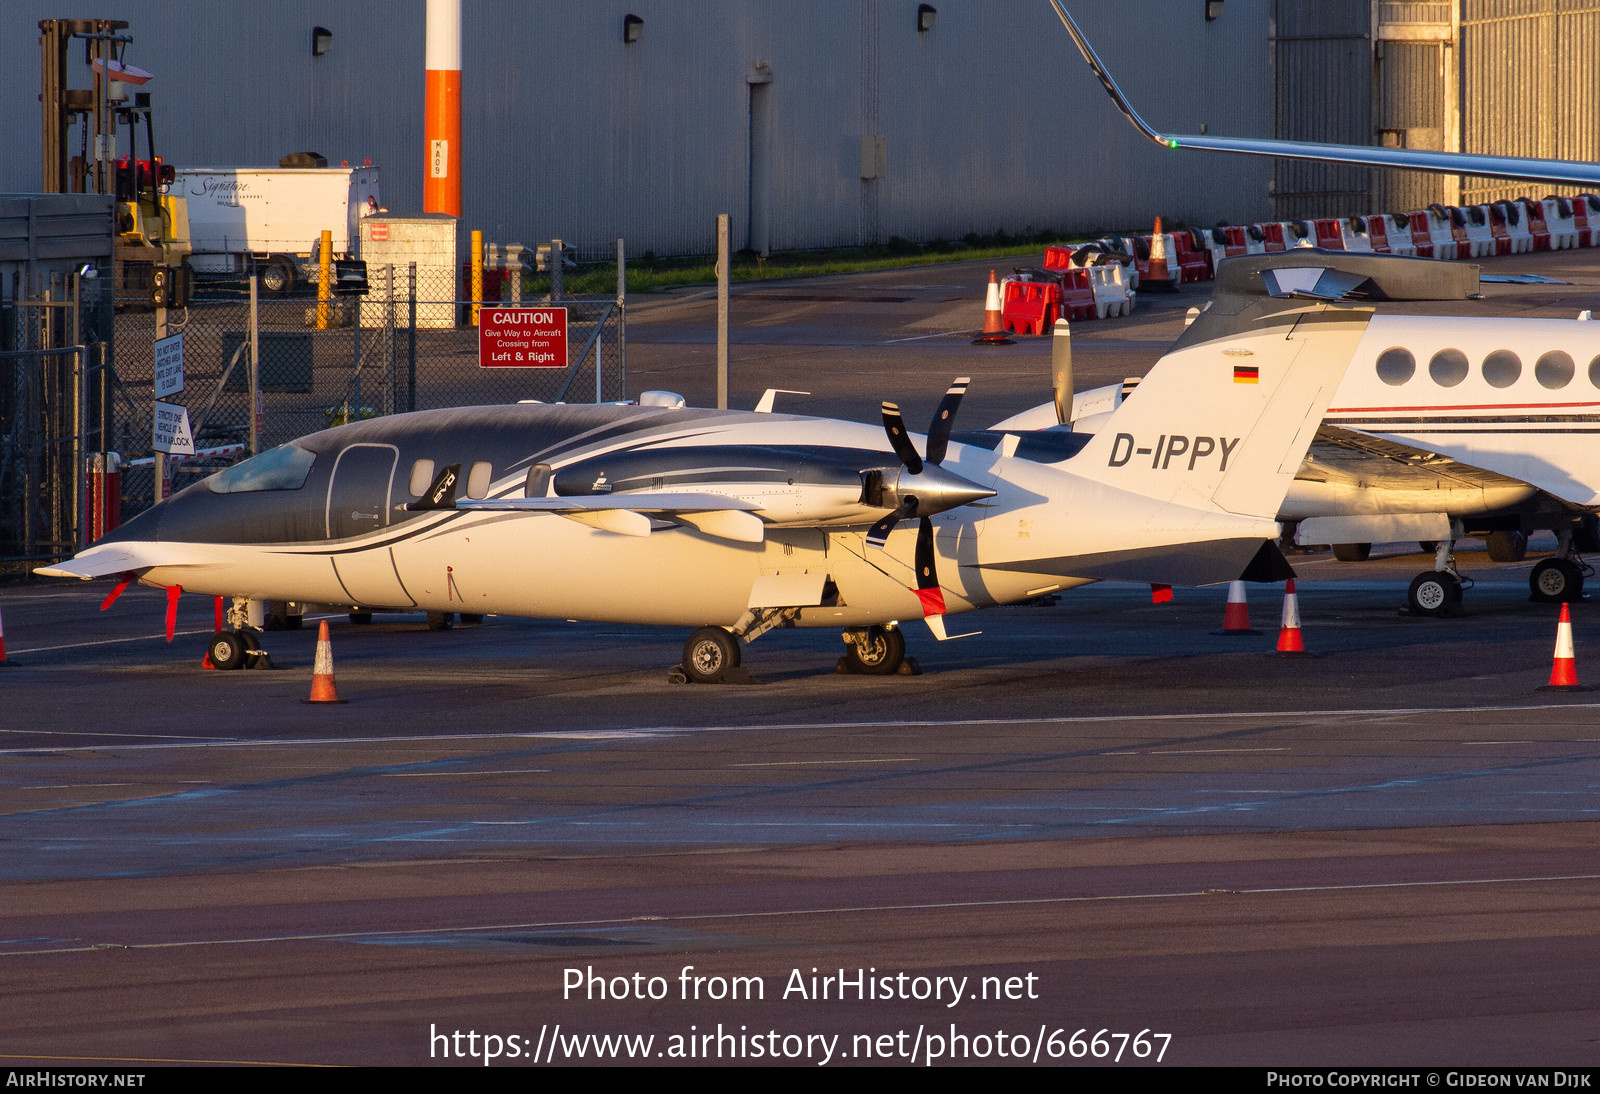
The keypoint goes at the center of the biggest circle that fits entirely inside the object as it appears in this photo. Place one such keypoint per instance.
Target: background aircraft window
(1555, 369)
(1594, 372)
(1502, 368)
(283, 468)
(479, 478)
(1448, 367)
(1396, 366)
(421, 477)
(538, 481)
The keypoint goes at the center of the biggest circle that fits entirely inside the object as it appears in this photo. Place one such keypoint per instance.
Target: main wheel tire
(1352, 552)
(1429, 546)
(879, 652)
(1434, 593)
(277, 277)
(709, 652)
(227, 649)
(1555, 580)
(1506, 546)
(441, 621)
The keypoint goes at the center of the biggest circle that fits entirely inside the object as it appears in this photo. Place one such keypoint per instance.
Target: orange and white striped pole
(441, 115)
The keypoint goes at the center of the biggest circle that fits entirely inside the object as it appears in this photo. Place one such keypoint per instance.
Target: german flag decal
(1246, 374)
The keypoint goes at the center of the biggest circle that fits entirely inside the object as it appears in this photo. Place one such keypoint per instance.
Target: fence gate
(52, 407)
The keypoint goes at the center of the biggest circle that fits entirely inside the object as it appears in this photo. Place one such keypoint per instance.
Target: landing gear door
(360, 490)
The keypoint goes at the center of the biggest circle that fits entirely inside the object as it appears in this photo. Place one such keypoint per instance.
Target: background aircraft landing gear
(1435, 593)
(1555, 580)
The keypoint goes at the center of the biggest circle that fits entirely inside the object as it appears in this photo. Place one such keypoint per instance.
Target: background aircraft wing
(1558, 172)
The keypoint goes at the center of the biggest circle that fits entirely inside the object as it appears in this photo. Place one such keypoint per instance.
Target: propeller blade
(928, 590)
(878, 534)
(895, 426)
(944, 420)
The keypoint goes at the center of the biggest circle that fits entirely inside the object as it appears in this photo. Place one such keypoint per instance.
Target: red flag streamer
(173, 592)
(111, 597)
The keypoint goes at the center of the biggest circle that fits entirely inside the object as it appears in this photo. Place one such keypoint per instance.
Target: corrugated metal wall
(1529, 69)
(1321, 64)
(990, 120)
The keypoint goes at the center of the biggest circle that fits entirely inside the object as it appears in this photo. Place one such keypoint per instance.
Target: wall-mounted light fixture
(632, 28)
(1213, 9)
(321, 41)
(926, 14)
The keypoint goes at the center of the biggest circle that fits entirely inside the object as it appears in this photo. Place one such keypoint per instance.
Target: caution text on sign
(522, 337)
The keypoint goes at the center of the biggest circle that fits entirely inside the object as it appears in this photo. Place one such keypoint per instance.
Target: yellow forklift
(152, 226)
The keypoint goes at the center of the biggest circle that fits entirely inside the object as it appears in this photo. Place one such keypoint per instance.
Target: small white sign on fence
(169, 366)
(172, 434)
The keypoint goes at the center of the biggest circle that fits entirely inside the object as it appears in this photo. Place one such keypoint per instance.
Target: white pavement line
(652, 732)
(107, 641)
(924, 337)
(859, 909)
(830, 763)
(438, 774)
(1206, 751)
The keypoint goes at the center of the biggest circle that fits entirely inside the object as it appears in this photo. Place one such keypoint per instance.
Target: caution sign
(172, 430)
(522, 337)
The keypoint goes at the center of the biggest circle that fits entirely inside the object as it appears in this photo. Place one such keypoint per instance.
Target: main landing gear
(876, 651)
(712, 655)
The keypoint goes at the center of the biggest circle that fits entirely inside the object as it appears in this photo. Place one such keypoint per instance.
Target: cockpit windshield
(283, 468)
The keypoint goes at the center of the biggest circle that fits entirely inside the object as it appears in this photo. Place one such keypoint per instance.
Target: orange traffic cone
(323, 689)
(3, 660)
(994, 331)
(1289, 642)
(1236, 618)
(1159, 277)
(1564, 669)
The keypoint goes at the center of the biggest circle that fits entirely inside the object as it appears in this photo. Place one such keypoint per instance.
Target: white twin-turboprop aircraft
(733, 522)
(1442, 425)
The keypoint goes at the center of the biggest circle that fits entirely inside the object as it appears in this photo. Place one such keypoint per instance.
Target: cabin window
(537, 484)
(1448, 367)
(479, 478)
(1594, 372)
(421, 477)
(283, 468)
(1396, 366)
(1555, 370)
(1502, 368)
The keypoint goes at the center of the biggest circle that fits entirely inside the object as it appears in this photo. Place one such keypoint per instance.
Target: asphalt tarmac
(1094, 816)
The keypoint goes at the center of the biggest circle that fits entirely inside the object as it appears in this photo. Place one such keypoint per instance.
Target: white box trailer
(273, 217)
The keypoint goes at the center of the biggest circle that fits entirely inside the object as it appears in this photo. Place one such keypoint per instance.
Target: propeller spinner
(920, 488)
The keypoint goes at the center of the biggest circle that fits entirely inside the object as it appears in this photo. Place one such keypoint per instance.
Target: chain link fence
(409, 343)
